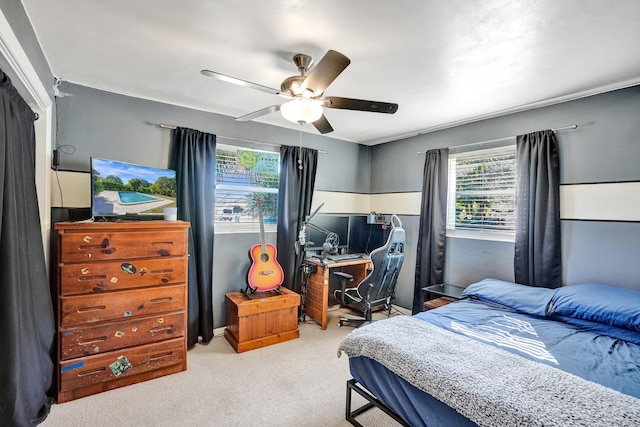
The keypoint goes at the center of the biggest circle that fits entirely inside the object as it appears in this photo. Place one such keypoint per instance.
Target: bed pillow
(601, 329)
(599, 303)
(525, 299)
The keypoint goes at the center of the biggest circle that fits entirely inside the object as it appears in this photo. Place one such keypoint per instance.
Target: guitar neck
(263, 243)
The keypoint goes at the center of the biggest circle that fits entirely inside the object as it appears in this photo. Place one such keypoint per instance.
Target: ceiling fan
(304, 92)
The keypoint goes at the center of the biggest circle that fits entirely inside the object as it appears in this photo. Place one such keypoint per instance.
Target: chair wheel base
(352, 322)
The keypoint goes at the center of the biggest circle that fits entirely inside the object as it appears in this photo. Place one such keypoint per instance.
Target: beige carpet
(301, 382)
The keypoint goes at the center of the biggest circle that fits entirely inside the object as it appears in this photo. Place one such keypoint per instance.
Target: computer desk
(318, 297)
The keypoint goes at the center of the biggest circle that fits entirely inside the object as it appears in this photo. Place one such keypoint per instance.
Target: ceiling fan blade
(359, 105)
(239, 82)
(259, 113)
(322, 124)
(325, 72)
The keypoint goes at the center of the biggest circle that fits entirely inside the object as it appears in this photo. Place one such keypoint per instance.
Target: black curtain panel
(297, 180)
(26, 310)
(193, 157)
(433, 225)
(537, 260)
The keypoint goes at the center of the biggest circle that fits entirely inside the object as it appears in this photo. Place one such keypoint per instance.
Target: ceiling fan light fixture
(301, 110)
(305, 92)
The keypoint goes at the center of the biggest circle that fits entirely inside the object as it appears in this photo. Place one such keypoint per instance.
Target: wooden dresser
(121, 302)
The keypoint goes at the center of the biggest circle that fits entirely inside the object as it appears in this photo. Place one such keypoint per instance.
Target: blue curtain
(297, 180)
(26, 310)
(433, 225)
(538, 259)
(193, 158)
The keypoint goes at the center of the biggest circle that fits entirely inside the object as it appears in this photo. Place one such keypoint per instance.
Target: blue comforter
(591, 355)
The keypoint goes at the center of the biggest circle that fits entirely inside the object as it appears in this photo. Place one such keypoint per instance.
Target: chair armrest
(343, 276)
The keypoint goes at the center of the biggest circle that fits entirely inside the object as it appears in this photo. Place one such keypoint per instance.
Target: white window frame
(481, 234)
(247, 223)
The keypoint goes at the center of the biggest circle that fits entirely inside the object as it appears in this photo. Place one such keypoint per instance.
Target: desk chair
(378, 288)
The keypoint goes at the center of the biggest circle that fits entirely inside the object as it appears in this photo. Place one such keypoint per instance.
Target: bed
(506, 354)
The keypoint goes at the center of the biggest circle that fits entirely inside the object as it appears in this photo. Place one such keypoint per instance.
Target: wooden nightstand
(439, 295)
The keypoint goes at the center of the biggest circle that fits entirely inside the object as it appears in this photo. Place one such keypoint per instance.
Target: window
(481, 194)
(245, 179)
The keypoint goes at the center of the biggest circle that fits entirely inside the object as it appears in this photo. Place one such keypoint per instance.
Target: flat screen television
(127, 191)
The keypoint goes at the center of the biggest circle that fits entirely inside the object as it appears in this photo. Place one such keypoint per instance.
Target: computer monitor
(364, 237)
(338, 224)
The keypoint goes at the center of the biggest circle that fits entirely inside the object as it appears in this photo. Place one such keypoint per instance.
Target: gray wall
(604, 148)
(102, 124)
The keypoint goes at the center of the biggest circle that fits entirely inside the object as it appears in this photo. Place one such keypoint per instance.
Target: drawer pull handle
(100, 276)
(160, 356)
(94, 308)
(161, 329)
(161, 243)
(168, 270)
(90, 247)
(92, 341)
(163, 299)
(91, 372)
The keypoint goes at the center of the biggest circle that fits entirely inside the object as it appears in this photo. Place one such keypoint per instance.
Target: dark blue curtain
(26, 310)
(433, 225)
(193, 157)
(538, 259)
(297, 180)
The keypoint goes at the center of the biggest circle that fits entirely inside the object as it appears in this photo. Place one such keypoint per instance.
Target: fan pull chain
(300, 151)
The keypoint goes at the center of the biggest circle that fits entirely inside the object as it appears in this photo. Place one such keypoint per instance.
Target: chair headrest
(396, 236)
(394, 220)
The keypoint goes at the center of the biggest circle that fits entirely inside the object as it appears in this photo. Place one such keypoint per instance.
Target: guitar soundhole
(264, 257)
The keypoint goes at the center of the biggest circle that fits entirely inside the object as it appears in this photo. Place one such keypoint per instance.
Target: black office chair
(378, 288)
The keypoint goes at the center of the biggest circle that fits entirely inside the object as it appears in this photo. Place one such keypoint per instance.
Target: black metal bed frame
(350, 415)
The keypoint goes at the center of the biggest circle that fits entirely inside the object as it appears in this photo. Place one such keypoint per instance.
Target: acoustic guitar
(265, 274)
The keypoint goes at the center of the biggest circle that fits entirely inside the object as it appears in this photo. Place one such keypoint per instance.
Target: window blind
(481, 193)
(242, 178)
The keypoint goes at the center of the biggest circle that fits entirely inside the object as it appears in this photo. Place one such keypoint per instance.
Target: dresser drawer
(82, 309)
(95, 277)
(98, 245)
(118, 364)
(85, 341)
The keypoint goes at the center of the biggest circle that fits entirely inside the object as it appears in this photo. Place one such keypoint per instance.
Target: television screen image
(130, 191)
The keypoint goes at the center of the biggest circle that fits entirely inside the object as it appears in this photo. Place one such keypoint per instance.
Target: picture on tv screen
(124, 189)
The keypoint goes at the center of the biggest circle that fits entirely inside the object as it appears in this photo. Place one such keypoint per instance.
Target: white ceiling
(444, 62)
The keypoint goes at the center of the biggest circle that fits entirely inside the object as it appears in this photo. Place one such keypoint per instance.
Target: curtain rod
(503, 139)
(237, 139)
